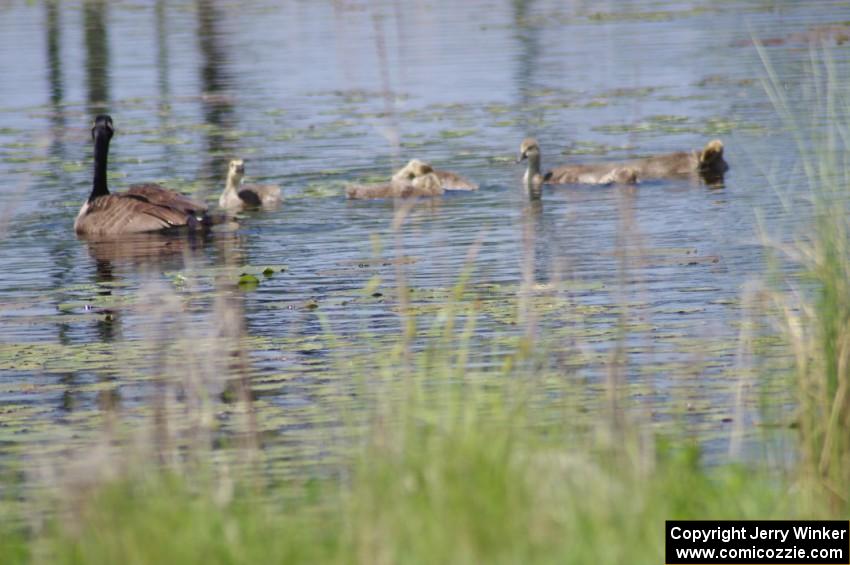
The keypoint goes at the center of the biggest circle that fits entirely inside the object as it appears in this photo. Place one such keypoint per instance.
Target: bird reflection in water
(115, 258)
(137, 251)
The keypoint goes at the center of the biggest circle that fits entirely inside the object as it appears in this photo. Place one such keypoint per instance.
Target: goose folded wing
(160, 196)
(127, 213)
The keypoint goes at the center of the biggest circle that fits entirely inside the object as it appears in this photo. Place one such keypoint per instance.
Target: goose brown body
(126, 213)
(142, 208)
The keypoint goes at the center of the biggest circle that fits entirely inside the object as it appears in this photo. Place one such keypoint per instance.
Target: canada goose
(448, 179)
(601, 173)
(708, 163)
(424, 183)
(237, 195)
(142, 208)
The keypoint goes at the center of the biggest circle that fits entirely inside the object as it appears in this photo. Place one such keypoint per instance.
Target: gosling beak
(522, 157)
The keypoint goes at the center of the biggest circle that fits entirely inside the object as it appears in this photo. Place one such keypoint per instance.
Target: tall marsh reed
(815, 309)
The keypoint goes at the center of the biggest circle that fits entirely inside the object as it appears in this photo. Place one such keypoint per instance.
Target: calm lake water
(316, 94)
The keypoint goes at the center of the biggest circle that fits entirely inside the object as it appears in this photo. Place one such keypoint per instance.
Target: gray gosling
(424, 183)
(601, 173)
(707, 163)
(237, 196)
(448, 179)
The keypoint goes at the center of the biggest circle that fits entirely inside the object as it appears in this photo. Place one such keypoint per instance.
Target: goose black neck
(101, 152)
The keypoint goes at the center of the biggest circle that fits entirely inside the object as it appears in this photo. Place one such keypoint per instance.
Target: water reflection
(528, 53)
(162, 58)
(60, 252)
(54, 59)
(111, 257)
(531, 214)
(105, 326)
(56, 84)
(216, 78)
(144, 250)
(163, 66)
(232, 329)
(97, 55)
(118, 260)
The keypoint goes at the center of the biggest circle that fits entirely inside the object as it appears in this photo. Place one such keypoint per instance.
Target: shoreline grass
(472, 489)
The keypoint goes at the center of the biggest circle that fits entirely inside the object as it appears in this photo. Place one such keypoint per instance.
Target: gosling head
(428, 180)
(528, 149)
(625, 175)
(712, 153)
(413, 169)
(103, 125)
(236, 170)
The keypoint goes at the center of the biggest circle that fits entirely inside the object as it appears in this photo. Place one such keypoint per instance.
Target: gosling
(424, 182)
(449, 180)
(601, 173)
(707, 163)
(237, 196)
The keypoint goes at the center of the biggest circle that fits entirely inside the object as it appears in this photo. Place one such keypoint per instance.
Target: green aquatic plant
(455, 133)
(646, 16)
(663, 124)
(247, 281)
(322, 189)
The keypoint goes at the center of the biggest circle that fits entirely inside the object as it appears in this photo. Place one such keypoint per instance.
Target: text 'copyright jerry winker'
(815, 542)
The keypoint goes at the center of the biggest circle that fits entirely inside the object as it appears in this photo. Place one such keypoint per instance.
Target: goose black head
(102, 123)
